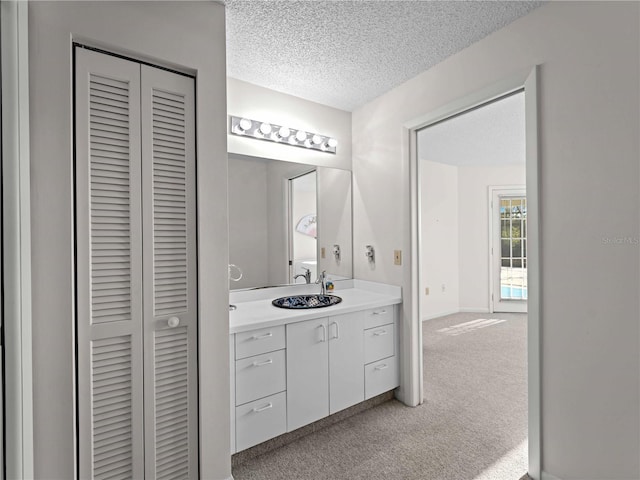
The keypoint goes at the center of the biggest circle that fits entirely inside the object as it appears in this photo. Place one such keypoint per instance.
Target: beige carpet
(472, 425)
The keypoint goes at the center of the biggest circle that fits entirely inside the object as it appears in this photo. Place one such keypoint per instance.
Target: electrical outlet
(426, 291)
(397, 257)
(322, 253)
(443, 287)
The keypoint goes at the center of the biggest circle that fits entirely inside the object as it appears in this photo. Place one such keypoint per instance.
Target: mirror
(287, 219)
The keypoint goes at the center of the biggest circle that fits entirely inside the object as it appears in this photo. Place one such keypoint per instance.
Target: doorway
(463, 160)
(303, 228)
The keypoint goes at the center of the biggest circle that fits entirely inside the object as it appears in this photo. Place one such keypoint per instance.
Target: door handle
(173, 322)
(337, 335)
(324, 333)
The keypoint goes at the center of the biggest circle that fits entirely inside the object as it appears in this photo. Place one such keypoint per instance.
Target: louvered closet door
(109, 267)
(169, 258)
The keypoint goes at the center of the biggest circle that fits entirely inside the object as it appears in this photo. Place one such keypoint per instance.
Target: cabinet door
(108, 267)
(307, 372)
(170, 276)
(346, 361)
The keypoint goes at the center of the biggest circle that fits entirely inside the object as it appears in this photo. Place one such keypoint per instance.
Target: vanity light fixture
(279, 133)
(265, 128)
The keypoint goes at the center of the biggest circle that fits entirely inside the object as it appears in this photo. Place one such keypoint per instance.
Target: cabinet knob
(173, 322)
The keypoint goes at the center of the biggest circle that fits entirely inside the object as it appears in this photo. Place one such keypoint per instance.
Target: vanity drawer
(260, 376)
(378, 316)
(379, 343)
(259, 341)
(380, 377)
(261, 420)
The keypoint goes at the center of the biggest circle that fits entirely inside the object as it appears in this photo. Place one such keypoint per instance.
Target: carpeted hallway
(472, 426)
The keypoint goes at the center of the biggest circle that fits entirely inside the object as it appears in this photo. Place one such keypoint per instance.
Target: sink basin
(306, 301)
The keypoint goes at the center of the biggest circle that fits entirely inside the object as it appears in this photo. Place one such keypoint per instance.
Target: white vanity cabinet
(381, 370)
(324, 374)
(259, 383)
(300, 370)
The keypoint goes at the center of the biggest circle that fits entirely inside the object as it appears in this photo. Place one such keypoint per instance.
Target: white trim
(546, 476)
(439, 314)
(412, 378)
(17, 239)
(474, 310)
(534, 294)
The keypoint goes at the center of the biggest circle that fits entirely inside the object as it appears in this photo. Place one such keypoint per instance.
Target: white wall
(334, 203)
(440, 239)
(248, 221)
(258, 103)
(588, 147)
(473, 199)
(186, 35)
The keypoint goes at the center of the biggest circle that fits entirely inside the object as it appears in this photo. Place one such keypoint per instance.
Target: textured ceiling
(345, 53)
(490, 135)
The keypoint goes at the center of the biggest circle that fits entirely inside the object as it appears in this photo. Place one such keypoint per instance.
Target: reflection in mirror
(286, 218)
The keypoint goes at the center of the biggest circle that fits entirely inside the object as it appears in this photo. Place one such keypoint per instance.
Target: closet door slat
(170, 289)
(109, 267)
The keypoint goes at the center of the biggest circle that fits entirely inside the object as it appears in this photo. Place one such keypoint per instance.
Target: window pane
(506, 248)
(504, 229)
(516, 249)
(506, 262)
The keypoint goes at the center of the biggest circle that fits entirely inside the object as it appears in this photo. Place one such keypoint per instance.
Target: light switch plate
(397, 257)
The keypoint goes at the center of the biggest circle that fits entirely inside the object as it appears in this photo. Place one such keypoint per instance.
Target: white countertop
(260, 313)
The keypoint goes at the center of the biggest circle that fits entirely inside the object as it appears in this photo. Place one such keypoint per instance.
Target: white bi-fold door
(136, 270)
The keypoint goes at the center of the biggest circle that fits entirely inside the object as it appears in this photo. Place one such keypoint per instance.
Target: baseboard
(452, 312)
(440, 314)
(474, 310)
(548, 476)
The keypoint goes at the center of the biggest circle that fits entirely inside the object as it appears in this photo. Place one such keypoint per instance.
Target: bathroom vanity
(290, 368)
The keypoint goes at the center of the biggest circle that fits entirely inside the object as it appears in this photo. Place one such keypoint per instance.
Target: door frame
(412, 356)
(508, 190)
(16, 240)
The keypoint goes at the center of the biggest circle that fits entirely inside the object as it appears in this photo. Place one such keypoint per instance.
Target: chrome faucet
(306, 275)
(322, 280)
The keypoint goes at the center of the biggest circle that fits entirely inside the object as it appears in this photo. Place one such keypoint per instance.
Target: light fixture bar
(281, 134)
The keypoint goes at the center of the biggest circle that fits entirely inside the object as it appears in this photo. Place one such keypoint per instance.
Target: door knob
(173, 322)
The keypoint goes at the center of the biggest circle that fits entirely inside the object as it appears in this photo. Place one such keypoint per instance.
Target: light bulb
(316, 139)
(307, 143)
(332, 143)
(245, 124)
(284, 132)
(265, 128)
(301, 135)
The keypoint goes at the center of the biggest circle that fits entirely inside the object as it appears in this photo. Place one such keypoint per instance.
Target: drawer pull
(379, 333)
(263, 336)
(381, 312)
(381, 367)
(263, 363)
(263, 408)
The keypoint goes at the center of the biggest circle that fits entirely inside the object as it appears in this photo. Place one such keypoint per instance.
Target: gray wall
(186, 35)
(588, 145)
